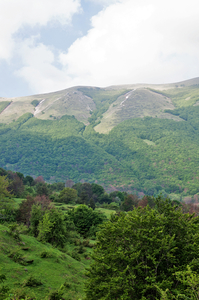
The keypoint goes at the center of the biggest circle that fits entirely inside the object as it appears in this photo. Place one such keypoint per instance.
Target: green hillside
(25, 259)
(133, 138)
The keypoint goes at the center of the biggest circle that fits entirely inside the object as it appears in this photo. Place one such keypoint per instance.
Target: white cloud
(137, 41)
(130, 41)
(14, 14)
(39, 70)
(104, 2)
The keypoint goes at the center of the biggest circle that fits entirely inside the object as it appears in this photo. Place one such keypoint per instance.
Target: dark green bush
(32, 281)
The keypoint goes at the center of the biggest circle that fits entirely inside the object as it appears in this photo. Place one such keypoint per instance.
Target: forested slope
(148, 143)
(151, 155)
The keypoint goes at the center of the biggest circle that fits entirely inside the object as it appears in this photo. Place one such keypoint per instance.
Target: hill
(29, 258)
(137, 138)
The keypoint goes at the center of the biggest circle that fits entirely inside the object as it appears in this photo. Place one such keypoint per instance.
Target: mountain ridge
(73, 101)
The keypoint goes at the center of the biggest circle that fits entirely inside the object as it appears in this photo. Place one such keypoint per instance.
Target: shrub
(32, 281)
(3, 288)
(75, 255)
(14, 231)
(46, 254)
(52, 228)
(86, 220)
(58, 294)
(17, 257)
(86, 243)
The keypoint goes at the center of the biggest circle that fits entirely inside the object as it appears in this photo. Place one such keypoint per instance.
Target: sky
(50, 45)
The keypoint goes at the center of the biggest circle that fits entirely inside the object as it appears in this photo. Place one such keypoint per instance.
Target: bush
(58, 294)
(17, 257)
(14, 231)
(75, 255)
(52, 228)
(86, 220)
(32, 281)
(80, 249)
(3, 288)
(46, 254)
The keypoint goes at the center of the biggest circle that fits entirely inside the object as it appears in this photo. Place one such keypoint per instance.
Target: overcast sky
(48, 45)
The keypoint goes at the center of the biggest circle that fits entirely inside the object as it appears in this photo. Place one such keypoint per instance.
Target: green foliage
(17, 256)
(3, 288)
(86, 220)
(58, 294)
(52, 271)
(23, 119)
(131, 157)
(7, 211)
(130, 202)
(14, 231)
(3, 188)
(68, 195)
(141, 250)
(3, 105)
(42, 189)
(183, 96)
(52, 228)
(92, 203)
(97, 189)
(103, 98)
(190, 281)
(32, 281)
(35, 102)
(46, 254)
(36, 217)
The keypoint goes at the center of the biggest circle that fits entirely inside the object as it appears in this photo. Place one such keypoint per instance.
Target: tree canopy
(137, 253)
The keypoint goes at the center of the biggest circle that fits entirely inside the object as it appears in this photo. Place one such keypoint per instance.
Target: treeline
(92, 195)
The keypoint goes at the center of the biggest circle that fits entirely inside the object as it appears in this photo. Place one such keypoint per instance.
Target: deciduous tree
(68, 195)
(137, 253)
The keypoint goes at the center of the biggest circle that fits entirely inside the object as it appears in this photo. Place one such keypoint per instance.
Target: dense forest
(148, 155)
(69, 240)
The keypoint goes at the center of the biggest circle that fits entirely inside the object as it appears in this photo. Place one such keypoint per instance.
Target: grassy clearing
(150, 143)
(21, 259)
(107, 212)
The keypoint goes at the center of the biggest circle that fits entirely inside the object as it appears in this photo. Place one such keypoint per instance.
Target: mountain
(139, 138)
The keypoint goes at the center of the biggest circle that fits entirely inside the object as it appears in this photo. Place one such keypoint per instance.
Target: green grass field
(21, 259)
(52, 267)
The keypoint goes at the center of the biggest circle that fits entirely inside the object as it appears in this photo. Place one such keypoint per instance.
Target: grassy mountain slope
(20, 260)
(137, 103)
(90, 103)
(50, 106)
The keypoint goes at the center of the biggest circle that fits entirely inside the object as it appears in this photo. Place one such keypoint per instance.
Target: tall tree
(68, 195)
